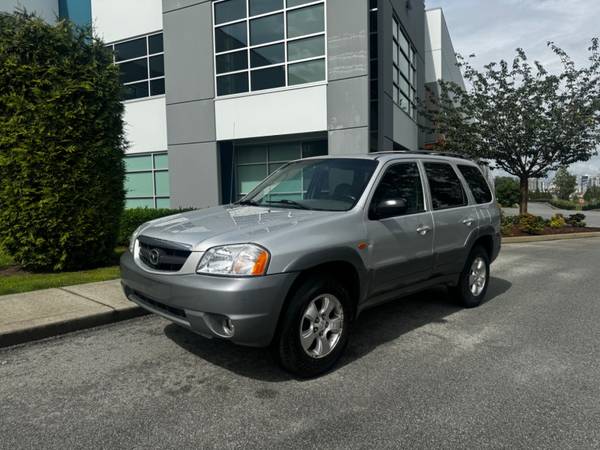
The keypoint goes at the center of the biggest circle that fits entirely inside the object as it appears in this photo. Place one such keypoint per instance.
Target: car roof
(402, 154)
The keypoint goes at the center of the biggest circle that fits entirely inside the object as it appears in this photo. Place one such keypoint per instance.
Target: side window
(476, 181)
(445, 186)
(399, 193)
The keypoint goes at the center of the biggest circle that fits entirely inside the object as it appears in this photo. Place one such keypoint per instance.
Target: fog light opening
(228, 327)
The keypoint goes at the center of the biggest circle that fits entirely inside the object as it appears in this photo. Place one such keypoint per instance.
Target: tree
(592, 194)
(521, 118)
(565, 183)
(61, 145)
(507, 191)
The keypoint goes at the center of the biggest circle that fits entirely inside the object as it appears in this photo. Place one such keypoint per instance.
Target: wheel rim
(478, 276)
(322, 325)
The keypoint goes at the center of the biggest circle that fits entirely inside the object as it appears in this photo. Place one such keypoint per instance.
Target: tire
(465, 293)
(289, 347)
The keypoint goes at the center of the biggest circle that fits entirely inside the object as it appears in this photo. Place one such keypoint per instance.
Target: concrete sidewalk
(50, 312)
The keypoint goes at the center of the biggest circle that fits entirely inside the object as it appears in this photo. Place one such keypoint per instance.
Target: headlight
(235, 260)
(133, 238)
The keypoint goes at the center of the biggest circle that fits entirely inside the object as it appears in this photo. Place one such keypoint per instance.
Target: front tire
(474, 279)
(314, 327)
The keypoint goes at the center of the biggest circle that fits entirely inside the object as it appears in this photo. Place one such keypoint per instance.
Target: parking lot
(523, 371)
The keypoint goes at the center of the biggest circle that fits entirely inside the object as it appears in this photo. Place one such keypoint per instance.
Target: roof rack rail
(422, 152)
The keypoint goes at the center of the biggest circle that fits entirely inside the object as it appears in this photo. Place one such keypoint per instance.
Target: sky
(493, 29)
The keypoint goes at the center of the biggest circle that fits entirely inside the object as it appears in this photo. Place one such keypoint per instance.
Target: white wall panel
(115, 20)
(146, 125)
(277, 113)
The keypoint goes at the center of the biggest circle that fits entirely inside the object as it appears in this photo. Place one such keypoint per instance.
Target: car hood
(229, 224)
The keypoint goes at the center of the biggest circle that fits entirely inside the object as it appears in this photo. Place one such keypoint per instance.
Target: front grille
(162, 255)
(161, 306)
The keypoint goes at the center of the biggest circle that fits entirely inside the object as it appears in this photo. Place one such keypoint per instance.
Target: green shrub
(591, 206)
(530, 224)
(576, 220)
(133, 218)
(61, 145)
(557, 221)
(592, 195)
(508, 191)
(564, 204)
(506, 223)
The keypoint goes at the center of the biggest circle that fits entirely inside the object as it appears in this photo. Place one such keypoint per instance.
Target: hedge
(564, 204)
(133, 218)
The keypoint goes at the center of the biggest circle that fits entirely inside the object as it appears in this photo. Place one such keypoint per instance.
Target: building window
(373, 77)
(255, 162)
(268, 44)
(142, 66)
(147, 181)
(405, 73)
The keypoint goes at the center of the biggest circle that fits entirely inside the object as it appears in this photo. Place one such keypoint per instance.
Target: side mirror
(390, 208)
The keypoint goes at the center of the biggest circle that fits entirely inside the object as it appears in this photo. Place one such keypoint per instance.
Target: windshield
(318, 184)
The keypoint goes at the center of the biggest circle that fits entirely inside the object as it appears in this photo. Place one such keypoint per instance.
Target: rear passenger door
(454, 219)
(402, 239)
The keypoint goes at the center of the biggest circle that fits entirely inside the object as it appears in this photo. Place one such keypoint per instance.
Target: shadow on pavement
(373, 328)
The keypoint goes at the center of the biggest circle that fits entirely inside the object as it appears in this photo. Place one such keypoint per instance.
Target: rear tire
(474, 279)
(314, 327)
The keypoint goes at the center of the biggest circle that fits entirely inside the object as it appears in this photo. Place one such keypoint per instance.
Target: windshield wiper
(291, 203)
(248, 203)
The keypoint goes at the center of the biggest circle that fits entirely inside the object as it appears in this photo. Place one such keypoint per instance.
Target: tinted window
(265, 56)
(306, 48)
(264, 6)
(268, 78)
(157, 66)
(135, 90)
(400, 182)
(306, 72)
(231, 62)
(134, 70)
(230, 37)
(130, 49)
(232, 84)
(155, 43)
(446, 189)
(306, 21)
(266, 29)
(230, 10)
(477, 184)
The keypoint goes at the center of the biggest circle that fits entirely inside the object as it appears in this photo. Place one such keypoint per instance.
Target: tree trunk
(524, 195)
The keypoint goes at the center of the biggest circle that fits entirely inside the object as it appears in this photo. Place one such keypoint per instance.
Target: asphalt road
(592, 218)
(521, 371)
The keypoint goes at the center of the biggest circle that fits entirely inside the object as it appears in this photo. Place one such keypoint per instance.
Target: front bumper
(202, 303)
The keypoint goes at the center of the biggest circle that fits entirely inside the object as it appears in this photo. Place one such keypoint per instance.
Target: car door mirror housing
(390, 208)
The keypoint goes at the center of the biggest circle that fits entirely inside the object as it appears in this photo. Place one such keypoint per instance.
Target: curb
(549, 237)
(36, 333)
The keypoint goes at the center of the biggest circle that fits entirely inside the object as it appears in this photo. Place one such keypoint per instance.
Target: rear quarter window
(477, 183)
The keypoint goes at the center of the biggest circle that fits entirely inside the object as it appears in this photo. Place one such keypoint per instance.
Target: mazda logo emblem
(154, 256)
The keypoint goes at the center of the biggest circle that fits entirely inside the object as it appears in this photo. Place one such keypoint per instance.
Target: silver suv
(295, 261)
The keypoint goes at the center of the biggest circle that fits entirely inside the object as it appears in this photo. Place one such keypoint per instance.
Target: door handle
(468, 222)
(423, 229)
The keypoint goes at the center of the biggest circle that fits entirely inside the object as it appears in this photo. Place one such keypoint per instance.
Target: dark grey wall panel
(191, 122)
(171, 5)
(348, 104)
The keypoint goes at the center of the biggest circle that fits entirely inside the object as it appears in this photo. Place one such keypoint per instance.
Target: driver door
(401, 239)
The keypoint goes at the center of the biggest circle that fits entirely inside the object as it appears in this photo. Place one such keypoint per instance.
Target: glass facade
(405, 72)
(255, 162)
(267, 44)
(147, 181)
(142, 66)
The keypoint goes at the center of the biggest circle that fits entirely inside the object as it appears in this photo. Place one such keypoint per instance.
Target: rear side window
(446, 189)
(401, 182)
(479, 187)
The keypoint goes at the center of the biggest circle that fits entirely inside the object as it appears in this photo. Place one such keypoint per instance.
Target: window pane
(395, 93)
(401, 182)
(229, 11)
(306, 48)
(274, 167)
(316, 148)
(404, 66)
(134, 70)
(163, 203)
(268, 78)
(155, 43)
(130, 49)
(157, 66)
(264, 6)
(373, 21)
(476, 181)
(395, 29)
(161, 161)
(139, 184)
(232, 84)
(136, 90)
(133, 163)
(162, 183)
(285, 152)
(139, 203)
(252, 154)
(404, 45)
(157, 87)
(446, 189)
(404, 85)
(265, 56)
(230, 37)
(403, 102)
(231, 62)
(395, 53)
(306, 21)
(306, 72)
(266, 29)
(292, 3)
(250, 176)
